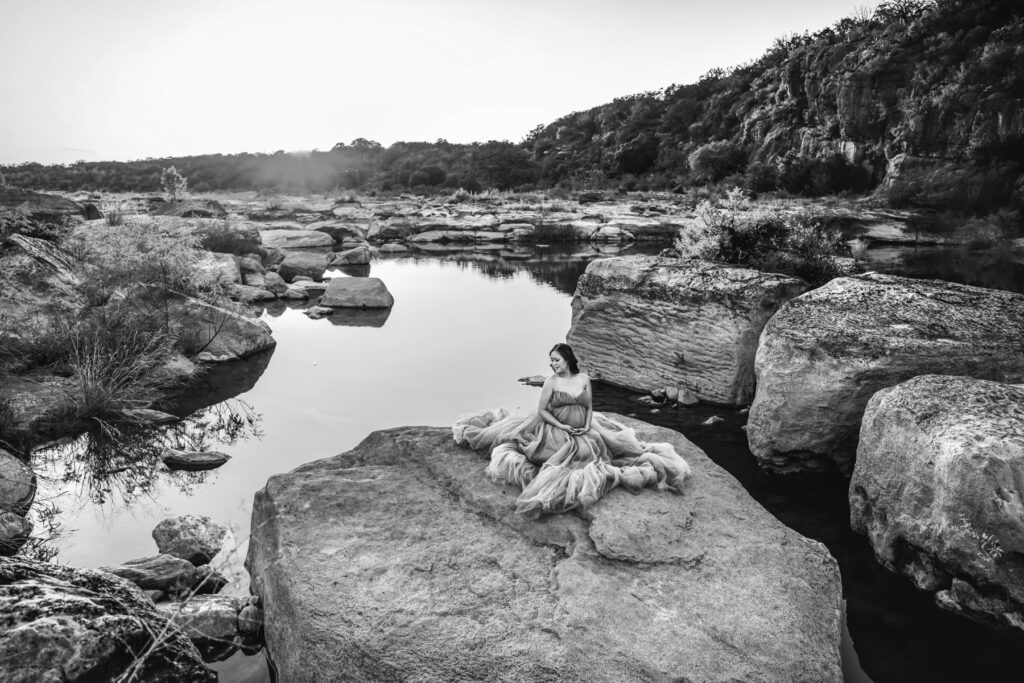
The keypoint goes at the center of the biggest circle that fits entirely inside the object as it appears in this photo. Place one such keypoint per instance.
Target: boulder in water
(357, 292)
(937, 490)
(826, 352)
(401, 560)
(647, 322)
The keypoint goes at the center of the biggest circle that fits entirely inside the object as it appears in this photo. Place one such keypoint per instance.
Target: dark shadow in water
(898, 632)
(219, 382)
(993, 269)
(359, 317)
(354, 270)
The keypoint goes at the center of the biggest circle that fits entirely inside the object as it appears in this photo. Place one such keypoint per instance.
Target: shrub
(115, 358)
(137, 252)
(715, 160)
(734, 231)
(114, 217)
(222, 238)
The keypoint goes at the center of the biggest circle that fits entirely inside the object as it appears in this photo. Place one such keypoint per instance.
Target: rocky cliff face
(944, 85)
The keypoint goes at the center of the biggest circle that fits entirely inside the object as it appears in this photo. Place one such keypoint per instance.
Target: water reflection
(559, 266)
(993, 269)
(122, 465)
(358, 317)
(219, 382)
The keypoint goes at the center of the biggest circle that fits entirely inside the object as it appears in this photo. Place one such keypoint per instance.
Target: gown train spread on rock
(559, 471)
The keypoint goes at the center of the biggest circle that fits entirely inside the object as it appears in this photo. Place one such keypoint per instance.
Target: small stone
(672, 393)
(688, 398)
(712, 421)
(17, 484)
(275, 283)
(194, 538)
(317, 312)
(14, 531)
(194, 461)
(206, 618)
(166, 573)
(250, 621)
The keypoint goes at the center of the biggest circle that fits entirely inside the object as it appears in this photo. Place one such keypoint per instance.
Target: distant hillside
(931, 92)
(923, 99)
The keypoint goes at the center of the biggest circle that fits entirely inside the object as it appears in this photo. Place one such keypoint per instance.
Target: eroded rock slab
(401, 560)
(294, 239)
(212, 333)
(64, 624)
(825, 353)
(938, 490)
(649, 323)
(357, 292)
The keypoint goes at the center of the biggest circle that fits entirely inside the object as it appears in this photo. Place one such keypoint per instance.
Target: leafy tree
(173, 183)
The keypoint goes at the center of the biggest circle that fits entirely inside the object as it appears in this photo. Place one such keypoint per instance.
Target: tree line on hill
(927, 95)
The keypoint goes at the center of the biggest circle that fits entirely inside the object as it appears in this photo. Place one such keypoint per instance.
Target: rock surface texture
(64, 624)
(825, 353)
(195, 538)
(648, 323)
(17, 484)
(938, 491)
(400, 560)
(215, 334)
(357, 292)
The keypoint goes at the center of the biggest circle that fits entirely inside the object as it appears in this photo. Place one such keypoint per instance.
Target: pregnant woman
(565, 455)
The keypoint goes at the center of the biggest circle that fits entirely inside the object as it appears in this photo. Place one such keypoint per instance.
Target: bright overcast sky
(129, 79)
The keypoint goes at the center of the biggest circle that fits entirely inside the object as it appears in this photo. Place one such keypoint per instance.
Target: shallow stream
(463, 329)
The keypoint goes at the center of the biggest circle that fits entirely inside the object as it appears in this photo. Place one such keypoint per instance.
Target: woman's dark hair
(566, 352)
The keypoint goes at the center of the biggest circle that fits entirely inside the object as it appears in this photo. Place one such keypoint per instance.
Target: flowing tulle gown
(559, 471)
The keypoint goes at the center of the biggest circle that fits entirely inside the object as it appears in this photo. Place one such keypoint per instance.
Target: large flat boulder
(303, 264)
(937, 490)
(647, 323)
(400, 560)
(64, 624)
(219, 267)
(357, 292)
(825, 353)
(214, 334)
(295, 239)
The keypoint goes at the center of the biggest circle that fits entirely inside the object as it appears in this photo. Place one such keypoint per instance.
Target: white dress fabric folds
(559, 471)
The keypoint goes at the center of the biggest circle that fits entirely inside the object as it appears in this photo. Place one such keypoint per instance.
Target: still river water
(463, 329)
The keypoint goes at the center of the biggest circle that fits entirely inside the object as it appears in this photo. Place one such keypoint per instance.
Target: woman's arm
(590, 402)
(542, 408)
(590, 405)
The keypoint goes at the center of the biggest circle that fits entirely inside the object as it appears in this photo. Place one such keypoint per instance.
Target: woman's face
(558, 363)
